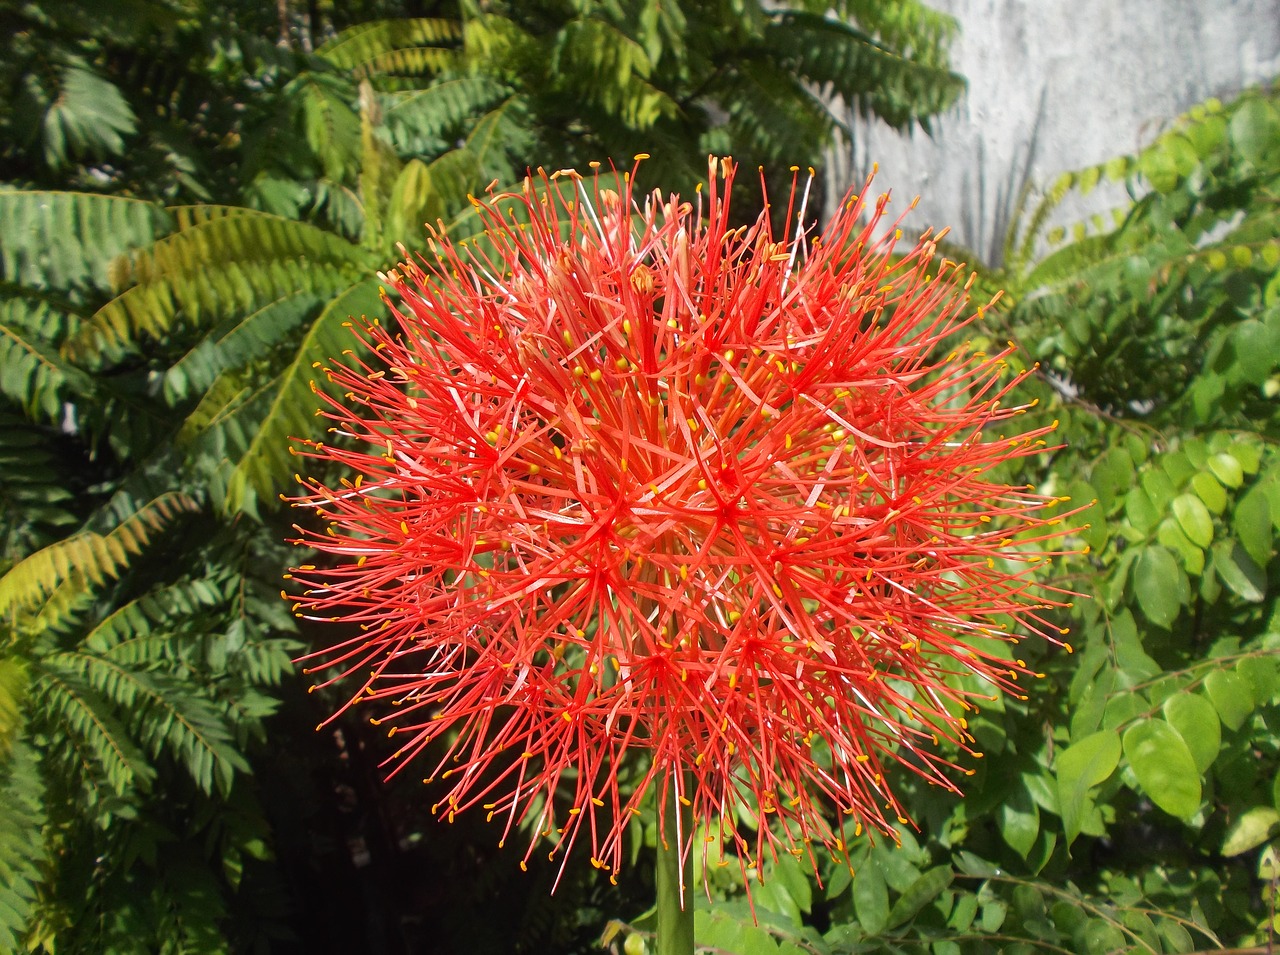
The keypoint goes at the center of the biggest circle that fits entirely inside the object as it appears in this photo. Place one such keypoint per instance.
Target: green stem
(675, 910)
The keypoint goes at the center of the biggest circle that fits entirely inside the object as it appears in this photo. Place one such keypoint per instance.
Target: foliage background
(195, 196)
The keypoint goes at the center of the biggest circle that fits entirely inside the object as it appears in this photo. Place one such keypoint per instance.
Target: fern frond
(415, 61)
(224, 422)
(1067, 266)
(87, 114)
(616, 70)
(35, 502)
(268, 463)
(22, 846)
(13, 690)
(68, 240)
(418, 120)
(32, 373)
(427, 192)
(901, 24)
(370, 48)
(165, 714)
(771, 115)
(103, 747)
(164, 608)
(237, 343)
(330, 125)
(495, 136)
(1026, 240)
(92, 556)
(217, 268)
(873, 76)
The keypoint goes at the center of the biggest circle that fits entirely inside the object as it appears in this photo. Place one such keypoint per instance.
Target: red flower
(630, 482)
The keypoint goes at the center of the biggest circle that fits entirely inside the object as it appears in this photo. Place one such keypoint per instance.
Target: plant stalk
(675, 908)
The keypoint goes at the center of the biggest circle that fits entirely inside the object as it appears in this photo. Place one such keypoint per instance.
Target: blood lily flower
(625, 482)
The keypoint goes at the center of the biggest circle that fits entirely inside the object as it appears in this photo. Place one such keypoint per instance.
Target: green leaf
(1252, 525)
(1255, 346)
(1251, 830)
(1262, 673)
(871, 898)
(222, 263)
(1232, 697)
(1164, 766)
(1171, 535)
(266, 464)
(1194, 519)
(1175, 936)
(788, 874)
(919, 894)
(1160, 585)
(1196, 721)
(1141, 513)
(1210, 491)
(1255, 129)
(1019, 821)
(87, 555)
(1227, 469)
(1239, 572)
(89, 116)
(22, 845)
(1079, 768)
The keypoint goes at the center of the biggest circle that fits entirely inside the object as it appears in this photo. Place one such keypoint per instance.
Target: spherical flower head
(627, 486)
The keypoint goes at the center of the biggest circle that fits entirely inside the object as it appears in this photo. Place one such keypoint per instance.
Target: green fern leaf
(111, 762)
(68, 240)
(616, 70)
(32, 373)
(494, 136)
(88, 115)
(360, 48)
(221, 427)
(165, 714)
(773, 117)
(87, 555)
(161, 609)
(268, 463)
(237, 343)
(34, 500)
(418, 61)
(425, 193)
(869, 73)
(417, 121)
(330, 125)
(13, 690)
(216, 268)
(22, 848)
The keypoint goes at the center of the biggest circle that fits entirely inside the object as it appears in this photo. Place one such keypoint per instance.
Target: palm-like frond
(330, 123)
(84, 114)
(237, 342)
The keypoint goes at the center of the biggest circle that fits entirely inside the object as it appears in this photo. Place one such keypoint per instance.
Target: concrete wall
(1056, 85)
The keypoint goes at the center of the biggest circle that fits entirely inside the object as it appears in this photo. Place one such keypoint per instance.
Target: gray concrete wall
(1056, 85)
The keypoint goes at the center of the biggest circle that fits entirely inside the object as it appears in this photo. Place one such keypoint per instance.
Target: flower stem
(675, 908)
